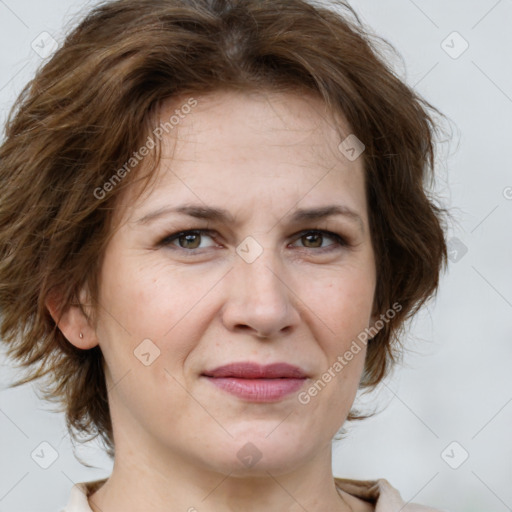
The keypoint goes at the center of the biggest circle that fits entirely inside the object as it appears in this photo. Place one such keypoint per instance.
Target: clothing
(379, 492)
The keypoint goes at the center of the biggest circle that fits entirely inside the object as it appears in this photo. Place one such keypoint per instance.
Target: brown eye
(315, 240)
(188, 240)
(191, 241)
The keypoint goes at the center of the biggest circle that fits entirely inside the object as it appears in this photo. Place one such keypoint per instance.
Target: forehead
(234, 146)
(274, 122)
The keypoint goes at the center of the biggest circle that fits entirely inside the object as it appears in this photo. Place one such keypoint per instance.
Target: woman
(214, 224)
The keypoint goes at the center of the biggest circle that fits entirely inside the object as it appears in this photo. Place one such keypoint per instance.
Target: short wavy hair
(95, 101)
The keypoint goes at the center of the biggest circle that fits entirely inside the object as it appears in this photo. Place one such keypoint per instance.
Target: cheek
(145, 300)
(343, 302)
(344, 307)
(154, 301)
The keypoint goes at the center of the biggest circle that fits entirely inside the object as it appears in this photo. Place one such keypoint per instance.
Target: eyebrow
(223, 216)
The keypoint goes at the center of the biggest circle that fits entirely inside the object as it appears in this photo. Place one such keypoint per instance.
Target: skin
(302, 301)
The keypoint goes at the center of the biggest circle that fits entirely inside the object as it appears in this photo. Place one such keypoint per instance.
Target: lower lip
(258, 390)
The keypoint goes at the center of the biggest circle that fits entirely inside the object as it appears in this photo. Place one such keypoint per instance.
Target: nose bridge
(259, 297)
(263, 277)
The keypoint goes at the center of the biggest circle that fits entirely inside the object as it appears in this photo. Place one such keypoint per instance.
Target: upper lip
(249, 370)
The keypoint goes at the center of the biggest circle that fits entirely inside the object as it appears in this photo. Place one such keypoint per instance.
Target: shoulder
(381, 494)
(78, 501)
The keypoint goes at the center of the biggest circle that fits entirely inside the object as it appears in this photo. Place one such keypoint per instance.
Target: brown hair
(80, 119)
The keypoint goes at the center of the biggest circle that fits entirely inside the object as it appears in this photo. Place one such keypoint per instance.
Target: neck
(139, 481)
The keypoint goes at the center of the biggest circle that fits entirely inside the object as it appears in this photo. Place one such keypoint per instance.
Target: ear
(71, 321)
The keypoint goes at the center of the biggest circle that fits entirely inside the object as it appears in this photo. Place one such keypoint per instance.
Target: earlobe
(72, 322)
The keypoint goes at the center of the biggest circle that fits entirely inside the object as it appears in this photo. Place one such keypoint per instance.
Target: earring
(81, 336)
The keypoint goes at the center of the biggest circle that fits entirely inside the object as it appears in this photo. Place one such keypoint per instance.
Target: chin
(256, 453)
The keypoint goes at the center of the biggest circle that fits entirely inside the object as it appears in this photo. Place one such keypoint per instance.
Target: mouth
(257, 383)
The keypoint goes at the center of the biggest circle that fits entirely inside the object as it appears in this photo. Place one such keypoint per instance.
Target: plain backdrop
(443, 436)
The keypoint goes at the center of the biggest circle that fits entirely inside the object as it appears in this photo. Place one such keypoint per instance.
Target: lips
(247, 370)
(253, 382)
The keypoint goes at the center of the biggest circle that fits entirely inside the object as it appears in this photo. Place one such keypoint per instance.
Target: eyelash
(339, 240)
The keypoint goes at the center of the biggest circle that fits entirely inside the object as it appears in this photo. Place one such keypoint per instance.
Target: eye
(188, 240)
(191, 240)
(314, 239)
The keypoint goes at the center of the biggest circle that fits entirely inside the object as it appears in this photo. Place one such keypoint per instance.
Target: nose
(259, 299)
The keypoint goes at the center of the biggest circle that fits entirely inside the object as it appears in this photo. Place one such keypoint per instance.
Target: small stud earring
(81, 336)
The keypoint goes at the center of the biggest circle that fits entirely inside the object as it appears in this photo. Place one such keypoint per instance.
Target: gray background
(455, 383)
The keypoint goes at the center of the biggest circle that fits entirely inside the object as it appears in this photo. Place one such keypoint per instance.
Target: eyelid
(166, 241)
(340, 240)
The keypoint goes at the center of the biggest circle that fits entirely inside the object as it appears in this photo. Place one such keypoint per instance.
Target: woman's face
(257, 279)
